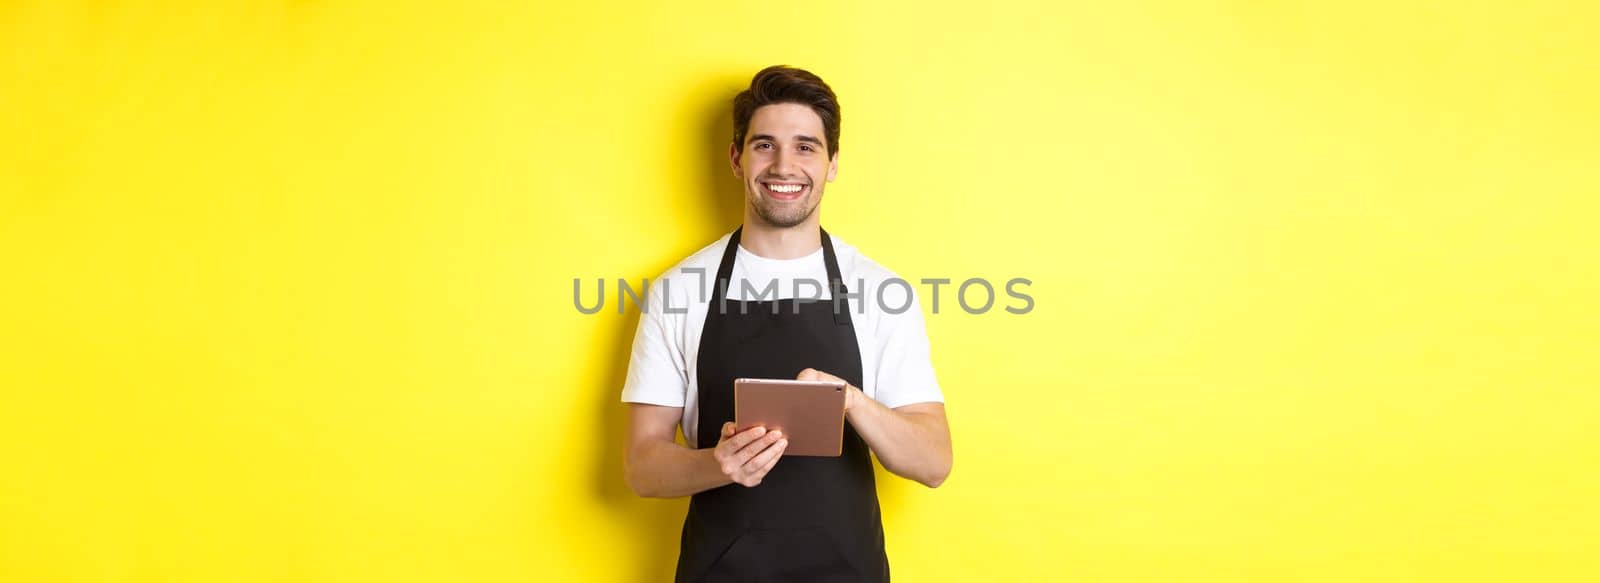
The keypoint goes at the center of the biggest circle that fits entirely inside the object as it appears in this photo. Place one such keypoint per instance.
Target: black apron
(812, 519)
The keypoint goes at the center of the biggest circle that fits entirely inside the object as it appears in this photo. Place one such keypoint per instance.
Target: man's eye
(805, 147)
(763, 146)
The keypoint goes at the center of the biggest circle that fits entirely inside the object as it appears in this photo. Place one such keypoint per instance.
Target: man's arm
(912, 441)
(658, 467)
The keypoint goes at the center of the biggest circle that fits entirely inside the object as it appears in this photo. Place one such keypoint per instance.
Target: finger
(812, 374)
(759, 465)
(739, 458)
(774, 462)
(760, 445)
(754, 471)
(743, 438)
(727, 430)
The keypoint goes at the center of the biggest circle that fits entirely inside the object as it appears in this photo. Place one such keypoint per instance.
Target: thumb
(727, 429)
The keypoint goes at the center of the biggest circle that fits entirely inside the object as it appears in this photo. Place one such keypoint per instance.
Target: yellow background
(287, 286)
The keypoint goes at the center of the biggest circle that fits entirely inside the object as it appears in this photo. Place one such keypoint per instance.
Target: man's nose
(781, 162)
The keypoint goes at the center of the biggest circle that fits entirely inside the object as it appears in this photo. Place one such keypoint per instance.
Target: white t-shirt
(895, 364)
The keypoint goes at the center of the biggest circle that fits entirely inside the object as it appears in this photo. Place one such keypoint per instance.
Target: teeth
(785, 188)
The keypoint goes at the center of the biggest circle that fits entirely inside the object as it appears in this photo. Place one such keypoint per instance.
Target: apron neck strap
(836, 287)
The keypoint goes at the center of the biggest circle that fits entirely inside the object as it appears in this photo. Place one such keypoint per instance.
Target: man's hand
(746, 457)
(852, 395)
(912, 441)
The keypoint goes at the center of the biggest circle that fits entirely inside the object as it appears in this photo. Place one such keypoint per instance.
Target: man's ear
(833, 166)
(733, 159)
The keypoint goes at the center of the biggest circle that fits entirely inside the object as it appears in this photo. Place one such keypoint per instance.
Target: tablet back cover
(810, 414)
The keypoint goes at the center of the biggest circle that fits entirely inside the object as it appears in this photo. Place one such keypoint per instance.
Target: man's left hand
(911, 440)
(852, 395)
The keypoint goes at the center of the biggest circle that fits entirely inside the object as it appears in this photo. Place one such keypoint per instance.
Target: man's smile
(783, 191)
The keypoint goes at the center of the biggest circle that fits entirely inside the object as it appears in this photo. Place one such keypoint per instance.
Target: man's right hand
(747, 456)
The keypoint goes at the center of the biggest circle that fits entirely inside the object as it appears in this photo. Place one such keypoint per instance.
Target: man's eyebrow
(800, 138)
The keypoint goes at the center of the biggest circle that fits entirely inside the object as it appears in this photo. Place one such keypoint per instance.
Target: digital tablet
(810, 413)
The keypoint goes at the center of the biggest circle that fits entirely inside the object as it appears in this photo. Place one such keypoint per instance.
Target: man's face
(784, 163)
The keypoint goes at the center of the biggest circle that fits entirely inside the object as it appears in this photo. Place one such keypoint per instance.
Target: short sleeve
(905, 365)
(656, 371)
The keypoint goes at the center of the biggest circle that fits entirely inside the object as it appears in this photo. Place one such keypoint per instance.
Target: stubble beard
(783, 215)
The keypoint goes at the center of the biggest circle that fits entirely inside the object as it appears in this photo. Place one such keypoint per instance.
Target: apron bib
(812, 519)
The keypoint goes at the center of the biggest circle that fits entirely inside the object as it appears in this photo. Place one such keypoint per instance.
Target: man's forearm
(912, 444)
(664, 469)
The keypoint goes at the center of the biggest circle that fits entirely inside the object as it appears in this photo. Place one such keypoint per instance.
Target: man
(756, 515)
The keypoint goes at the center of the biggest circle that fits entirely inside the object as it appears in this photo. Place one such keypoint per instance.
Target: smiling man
(756, 515)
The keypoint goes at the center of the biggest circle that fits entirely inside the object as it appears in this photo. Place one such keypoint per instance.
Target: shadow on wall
(655, 524)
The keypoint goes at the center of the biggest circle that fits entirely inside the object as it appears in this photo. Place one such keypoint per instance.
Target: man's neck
(771, 242)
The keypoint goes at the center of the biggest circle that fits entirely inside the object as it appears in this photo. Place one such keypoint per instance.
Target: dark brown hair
(785, 84)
